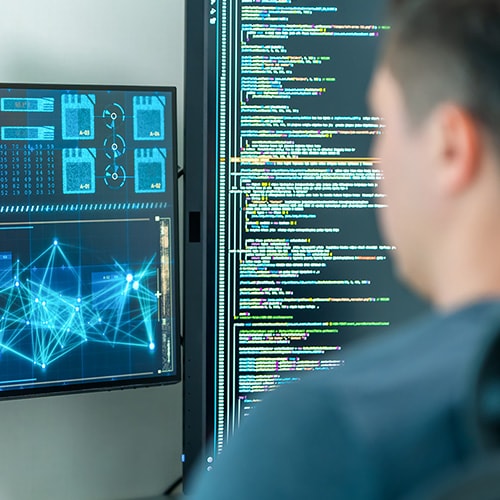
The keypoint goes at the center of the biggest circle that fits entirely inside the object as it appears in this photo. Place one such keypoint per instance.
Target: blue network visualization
(47, 315)
(88, 282)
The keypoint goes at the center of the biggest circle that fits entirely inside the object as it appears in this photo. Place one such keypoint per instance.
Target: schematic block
(27, 104)
(107, 291)
(150, 170)
(28, 133)
(78, 170)
(149, 118)
(6, 270)
(77, 116)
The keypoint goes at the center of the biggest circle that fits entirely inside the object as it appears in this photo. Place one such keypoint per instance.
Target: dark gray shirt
(399, 413)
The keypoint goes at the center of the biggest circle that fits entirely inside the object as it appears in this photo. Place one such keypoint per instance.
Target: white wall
(113, 445)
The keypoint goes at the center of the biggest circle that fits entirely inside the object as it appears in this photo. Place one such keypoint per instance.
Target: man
(400, 413)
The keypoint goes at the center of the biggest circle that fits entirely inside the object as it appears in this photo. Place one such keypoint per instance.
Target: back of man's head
(437, 86)
(441, 50)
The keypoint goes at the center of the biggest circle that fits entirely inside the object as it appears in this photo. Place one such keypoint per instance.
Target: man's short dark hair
(442, 50)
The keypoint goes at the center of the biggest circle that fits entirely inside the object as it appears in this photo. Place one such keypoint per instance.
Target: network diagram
(51, 307)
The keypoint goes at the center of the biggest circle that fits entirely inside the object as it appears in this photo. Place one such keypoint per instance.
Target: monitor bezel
(197, 197)
(135, 382)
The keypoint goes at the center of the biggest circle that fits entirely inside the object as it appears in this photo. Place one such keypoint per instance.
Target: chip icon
(149, 118)
(77, 116)
(78, 171)
(150, 170)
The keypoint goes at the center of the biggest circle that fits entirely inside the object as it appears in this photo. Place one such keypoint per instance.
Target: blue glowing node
(43, 365)
(129, 278)
(135, 286)
(151, 346)
(56, 242)
(17, 283)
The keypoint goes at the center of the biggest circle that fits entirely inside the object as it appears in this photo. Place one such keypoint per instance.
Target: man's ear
(456, 141)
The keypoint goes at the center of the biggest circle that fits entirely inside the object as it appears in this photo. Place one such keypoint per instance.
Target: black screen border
(136, 382)
(198, 197)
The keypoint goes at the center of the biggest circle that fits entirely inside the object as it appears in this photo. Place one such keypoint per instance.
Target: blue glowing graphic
(27, 105)
(77, 116)
(149, 123)
(47, 313)
(45, 133)
(150, 170)
(79, 170)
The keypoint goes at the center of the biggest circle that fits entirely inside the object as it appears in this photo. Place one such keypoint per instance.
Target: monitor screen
(88, 238)
(285, 265)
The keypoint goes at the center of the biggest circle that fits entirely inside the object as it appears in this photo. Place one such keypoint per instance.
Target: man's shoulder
(352, 429)
(436, 356)
(435, 338)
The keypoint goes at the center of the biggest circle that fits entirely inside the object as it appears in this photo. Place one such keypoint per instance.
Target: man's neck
(467, 267)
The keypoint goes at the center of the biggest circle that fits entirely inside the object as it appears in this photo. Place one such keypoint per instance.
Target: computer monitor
(284, 263)
(88, 238)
